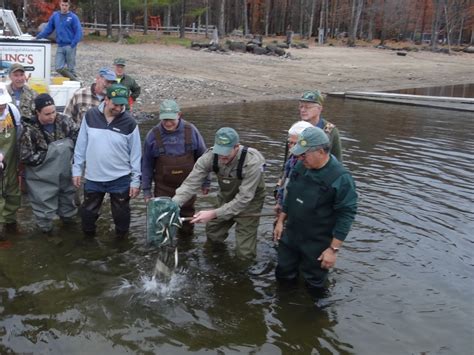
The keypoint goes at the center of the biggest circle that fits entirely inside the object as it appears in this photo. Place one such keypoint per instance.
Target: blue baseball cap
(107, 74)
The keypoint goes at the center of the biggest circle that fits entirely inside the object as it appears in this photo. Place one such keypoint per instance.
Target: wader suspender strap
(188, 139)
(240, 165)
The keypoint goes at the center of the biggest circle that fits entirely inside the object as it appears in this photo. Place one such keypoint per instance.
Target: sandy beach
(195, 78)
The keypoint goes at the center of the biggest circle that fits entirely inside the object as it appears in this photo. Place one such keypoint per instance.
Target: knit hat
(42, 101)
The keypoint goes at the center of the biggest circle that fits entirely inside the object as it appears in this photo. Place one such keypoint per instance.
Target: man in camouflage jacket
(46, 149)
(22, 95)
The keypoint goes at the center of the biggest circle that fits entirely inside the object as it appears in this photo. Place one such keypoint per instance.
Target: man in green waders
(319, 209)
(46, 149)
(239, 172)
(10, 129)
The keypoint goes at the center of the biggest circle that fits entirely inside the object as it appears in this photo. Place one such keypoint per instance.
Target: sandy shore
(196, 78)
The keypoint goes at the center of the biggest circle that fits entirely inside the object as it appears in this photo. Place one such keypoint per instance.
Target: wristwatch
(334, 249)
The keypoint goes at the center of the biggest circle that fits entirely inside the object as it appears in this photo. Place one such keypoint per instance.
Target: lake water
(402, 284)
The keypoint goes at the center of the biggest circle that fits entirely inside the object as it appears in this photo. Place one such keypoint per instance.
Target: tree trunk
(355, 17)
(311, 19)
(370, 29)
(222, 18)
(182, 27)
(461, 27)
(207, 18)
(384, 24)
(145, 18)
(448, 27)
(109, 20)
(245, 18)
(435, 24)
(168, 16)
(301, 16)
(267, 16)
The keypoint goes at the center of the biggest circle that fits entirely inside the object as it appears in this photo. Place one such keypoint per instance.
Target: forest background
(430, 22)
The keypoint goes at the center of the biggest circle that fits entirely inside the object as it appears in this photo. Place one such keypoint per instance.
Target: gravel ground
(196, 78)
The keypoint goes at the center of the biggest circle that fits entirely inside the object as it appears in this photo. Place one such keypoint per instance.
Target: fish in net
(163, 221)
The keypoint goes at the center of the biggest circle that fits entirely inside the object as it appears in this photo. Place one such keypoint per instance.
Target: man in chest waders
(239, 172)
(10, 129)
(319, 208)
(170, 151)
(46, 150)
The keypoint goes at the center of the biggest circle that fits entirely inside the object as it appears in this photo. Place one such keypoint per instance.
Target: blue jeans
(119, 185)
(94, 192)
(66, 56)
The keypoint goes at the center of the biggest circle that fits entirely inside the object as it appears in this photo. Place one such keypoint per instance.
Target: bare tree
(245, 17)
(182, 28)
(437, 4)
(222, 18)
(355, 17)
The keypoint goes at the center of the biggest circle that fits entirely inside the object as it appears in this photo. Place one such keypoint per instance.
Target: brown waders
(171, 171)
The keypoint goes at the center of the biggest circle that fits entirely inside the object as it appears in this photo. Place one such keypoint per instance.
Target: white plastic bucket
(60, 94)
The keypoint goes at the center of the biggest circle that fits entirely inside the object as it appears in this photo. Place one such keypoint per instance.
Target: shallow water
(402, 283)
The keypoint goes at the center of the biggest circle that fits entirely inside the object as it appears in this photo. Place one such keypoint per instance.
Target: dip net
(163, 221)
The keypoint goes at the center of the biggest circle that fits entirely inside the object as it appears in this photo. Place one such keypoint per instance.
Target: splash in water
(151, 286)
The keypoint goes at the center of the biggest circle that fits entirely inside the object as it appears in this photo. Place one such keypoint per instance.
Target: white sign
(34, 55)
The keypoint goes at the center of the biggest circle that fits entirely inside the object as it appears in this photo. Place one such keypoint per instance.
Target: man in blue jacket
(68, 34)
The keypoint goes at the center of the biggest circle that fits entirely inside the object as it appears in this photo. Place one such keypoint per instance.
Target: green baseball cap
(118, 94)
(119, 61)
(169, 110)
(313, 96)
(311, 137)
(226, 139)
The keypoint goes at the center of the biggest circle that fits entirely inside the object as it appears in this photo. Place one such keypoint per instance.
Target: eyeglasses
(308, 106)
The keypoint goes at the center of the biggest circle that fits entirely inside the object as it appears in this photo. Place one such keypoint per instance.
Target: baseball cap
(311, 137)
(15, 67)
(169, 110)
(118, 94)
(226, 138)
(107, 74)
(5, 97)
(313, 96)
(119, 61)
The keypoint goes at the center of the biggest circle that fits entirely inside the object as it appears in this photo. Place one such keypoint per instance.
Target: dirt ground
(199, 77)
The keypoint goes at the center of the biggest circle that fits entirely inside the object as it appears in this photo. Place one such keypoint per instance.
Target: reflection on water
(460, 90)
(403, 281)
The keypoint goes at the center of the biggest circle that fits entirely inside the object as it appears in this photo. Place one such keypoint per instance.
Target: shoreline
(197, 78)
